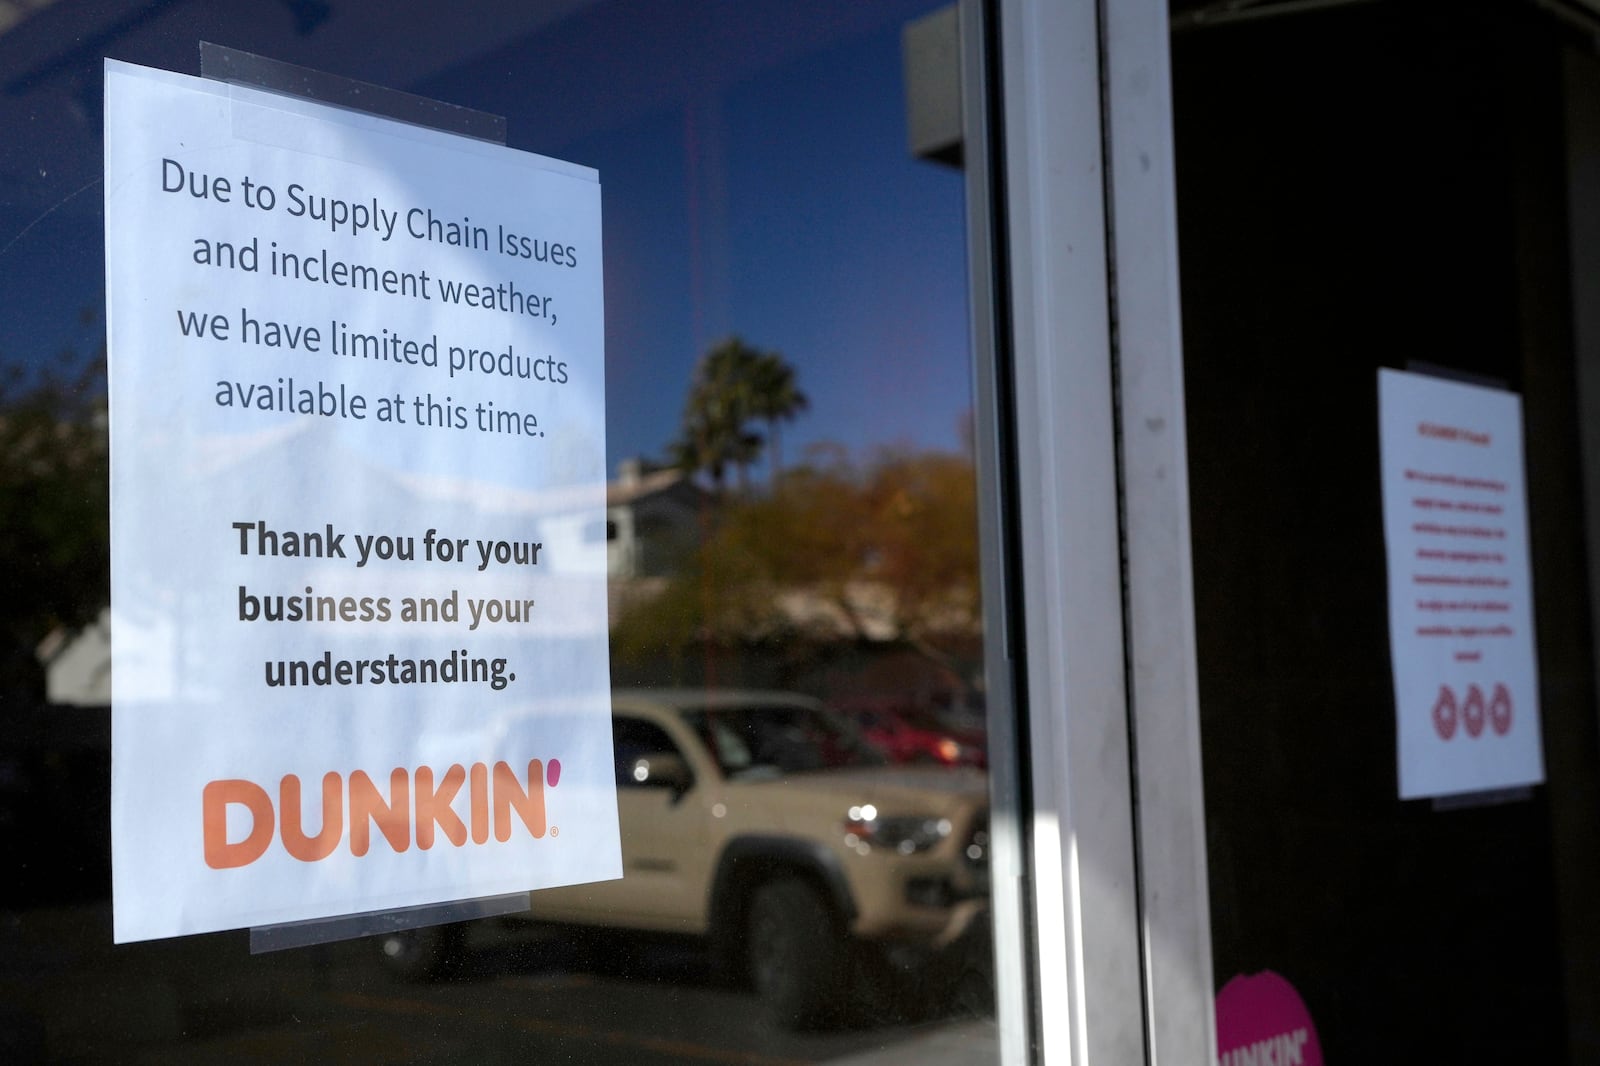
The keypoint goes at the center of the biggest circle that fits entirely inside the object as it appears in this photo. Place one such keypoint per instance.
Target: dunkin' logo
(1472, 712)
(1262, 1021)
(418, 807)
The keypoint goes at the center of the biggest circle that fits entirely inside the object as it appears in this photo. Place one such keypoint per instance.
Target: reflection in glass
(794, 513)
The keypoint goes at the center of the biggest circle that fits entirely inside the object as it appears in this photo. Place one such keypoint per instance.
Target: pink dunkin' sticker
(1262, 1021)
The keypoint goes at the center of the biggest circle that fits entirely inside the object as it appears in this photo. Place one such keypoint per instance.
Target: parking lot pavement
(68, 994)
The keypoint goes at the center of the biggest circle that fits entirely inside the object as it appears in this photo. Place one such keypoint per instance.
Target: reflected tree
(837, 551)
(54, 533)
(776, 398)
(735, 385)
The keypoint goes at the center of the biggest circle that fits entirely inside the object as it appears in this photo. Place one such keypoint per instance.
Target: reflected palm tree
(777, 398)
(735, 384)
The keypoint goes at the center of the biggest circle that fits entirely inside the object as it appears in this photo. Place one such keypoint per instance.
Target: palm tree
(777, 398)
(735, 384)
(717, 413)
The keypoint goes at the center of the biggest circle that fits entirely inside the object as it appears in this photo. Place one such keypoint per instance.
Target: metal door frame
(1102, 919)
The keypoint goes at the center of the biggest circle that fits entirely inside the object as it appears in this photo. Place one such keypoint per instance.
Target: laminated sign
(1460, 590)
(357, 513)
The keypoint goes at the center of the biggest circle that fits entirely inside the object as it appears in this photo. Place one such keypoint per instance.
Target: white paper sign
(1460, 596)
(358, 483)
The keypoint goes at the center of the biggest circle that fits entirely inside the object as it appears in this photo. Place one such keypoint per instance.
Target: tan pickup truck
(763, 823)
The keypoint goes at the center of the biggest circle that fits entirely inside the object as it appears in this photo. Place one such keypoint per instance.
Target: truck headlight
(866, 829)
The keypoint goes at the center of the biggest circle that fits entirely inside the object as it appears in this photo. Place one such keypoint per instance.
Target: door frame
(1102, 919)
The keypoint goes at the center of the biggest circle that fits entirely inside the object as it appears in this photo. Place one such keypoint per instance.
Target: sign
(1460, 597)
(357, 508)
(1262, 1019)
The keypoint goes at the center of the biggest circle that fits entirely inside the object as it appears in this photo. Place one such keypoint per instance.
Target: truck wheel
(796, 952)
(421, 954)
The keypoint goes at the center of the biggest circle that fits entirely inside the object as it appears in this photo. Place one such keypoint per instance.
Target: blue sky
(756, 181)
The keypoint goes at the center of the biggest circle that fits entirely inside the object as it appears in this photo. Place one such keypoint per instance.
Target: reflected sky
(756, 180)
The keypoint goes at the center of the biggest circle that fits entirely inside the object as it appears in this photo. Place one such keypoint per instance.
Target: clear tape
(264, 938)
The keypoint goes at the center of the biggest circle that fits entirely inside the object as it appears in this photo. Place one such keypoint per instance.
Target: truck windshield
(769, 741)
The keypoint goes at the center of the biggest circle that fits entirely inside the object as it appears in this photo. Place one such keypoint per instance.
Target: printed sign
(1460, 600)
(1261, 1019)
(358, 483)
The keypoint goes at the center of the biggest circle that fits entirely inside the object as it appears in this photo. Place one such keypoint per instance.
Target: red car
(910, 734)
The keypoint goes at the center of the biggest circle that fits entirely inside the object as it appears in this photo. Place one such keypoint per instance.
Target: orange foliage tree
(885, 550)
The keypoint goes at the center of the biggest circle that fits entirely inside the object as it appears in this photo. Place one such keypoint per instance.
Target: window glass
(772, 248)
(780, 740)
(634, 742)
